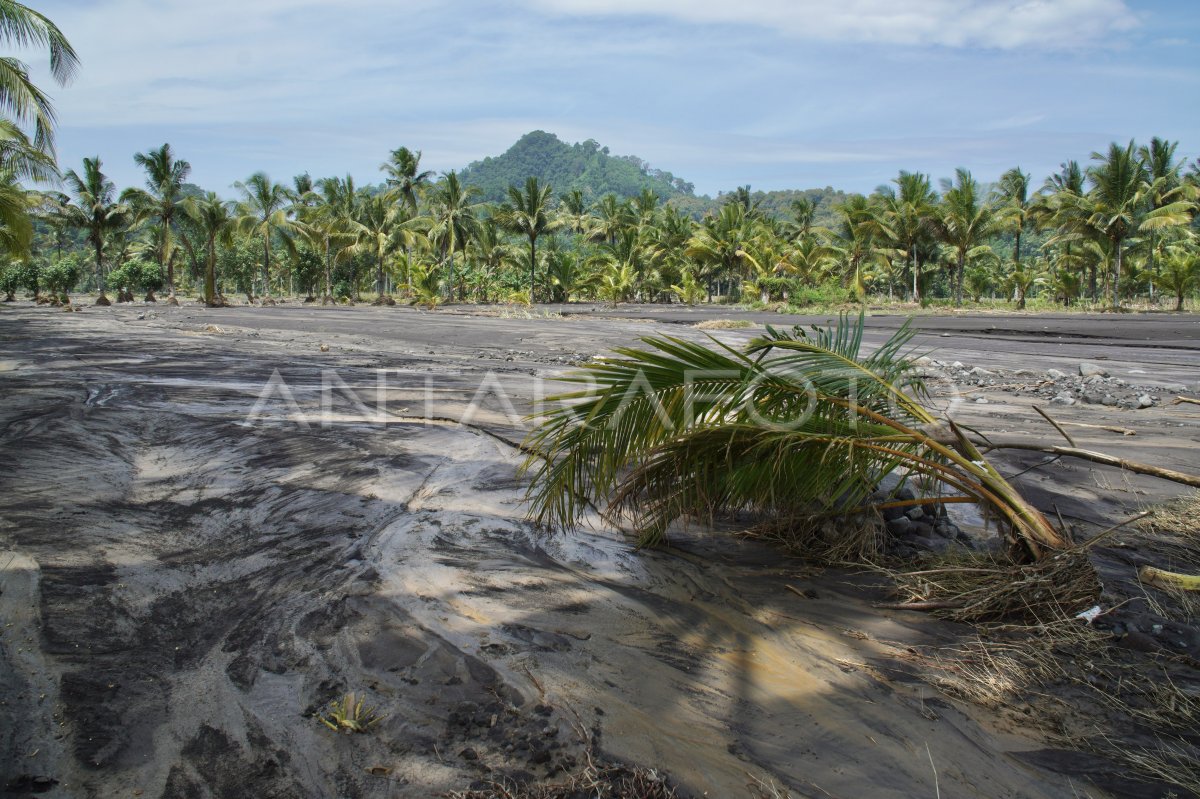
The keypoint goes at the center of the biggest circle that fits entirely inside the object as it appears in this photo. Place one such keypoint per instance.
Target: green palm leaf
(796, 425)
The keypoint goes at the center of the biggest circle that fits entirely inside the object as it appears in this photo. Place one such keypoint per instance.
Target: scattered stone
(1055, 374)
(1090, 369)
(899, 526)
(981, 401)
(979, 371)
(324, 348)
(1108, 400)
(957, 365)
(1063, 399)
(916, 512)
(1144, 401)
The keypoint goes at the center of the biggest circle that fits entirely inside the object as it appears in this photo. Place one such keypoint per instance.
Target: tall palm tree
(528, 213)
(24, 102)
(964, 220)
(405, 179)
(572, 211)
(1060, 208)
(1165, 188)
(908, 209)
(159, 201)
(263, 213)
(454, 220)
(96, 211)
(721, 244)
(1114, 201)
(612, 217)
(860, 238)
(374, 232)
(1016, 207)
(215, 219)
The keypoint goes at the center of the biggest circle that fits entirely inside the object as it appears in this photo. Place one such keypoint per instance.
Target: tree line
(1118, 228)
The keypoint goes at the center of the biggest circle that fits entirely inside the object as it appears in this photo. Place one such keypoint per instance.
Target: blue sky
(774, 93)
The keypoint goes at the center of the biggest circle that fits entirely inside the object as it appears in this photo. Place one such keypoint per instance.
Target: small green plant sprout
(350, 714)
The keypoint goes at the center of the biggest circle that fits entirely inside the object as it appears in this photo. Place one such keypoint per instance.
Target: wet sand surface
(185, 583)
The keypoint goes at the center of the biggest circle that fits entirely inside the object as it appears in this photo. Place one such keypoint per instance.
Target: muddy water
(183, 589)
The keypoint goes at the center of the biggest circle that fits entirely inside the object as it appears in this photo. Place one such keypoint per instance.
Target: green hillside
(584, 165)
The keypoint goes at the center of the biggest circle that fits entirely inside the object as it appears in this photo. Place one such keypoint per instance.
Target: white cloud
(1003, 24)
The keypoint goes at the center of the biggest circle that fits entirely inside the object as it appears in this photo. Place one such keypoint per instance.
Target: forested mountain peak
(587, 166)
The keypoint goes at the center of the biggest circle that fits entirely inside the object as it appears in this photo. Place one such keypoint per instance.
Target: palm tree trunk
(532, 265)
(1116, 286)
(210, 275)
(379, 286)
(266, 287)
(916, 273)
(958, 283)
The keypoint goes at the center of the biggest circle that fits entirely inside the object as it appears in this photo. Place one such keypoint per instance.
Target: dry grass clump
(593, 782)
(1177, 518)
(979, 589)
(723, 324)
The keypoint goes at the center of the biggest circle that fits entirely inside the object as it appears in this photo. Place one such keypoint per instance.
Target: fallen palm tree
(797, 425)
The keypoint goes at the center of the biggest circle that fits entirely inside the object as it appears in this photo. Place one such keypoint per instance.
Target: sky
(777, 94)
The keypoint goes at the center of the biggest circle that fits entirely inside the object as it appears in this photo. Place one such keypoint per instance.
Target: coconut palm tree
(215, 219)
(20, 99)
(1016, 208)
(374, 230)
(159, 201)
(1113, 204)
(1170, 199)
(907, 211)
(861, 238)
(612, 217)
(405, 180)
(96, 211)
(454, 221)
(573, 213)
(963, 220)
(528, 214)
(1180, 273)
(1060, 208)
(796, 426)
(263, 212)
(721, 245)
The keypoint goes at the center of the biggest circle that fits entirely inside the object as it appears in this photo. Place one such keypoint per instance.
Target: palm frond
(795, 425)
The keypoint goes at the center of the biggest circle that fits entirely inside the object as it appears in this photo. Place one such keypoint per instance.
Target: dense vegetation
(586, 166)
(549, 221)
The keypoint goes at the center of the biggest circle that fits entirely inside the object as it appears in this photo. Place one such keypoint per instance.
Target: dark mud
(186, 587)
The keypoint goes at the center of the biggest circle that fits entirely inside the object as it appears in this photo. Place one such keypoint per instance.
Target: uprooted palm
(797, 425)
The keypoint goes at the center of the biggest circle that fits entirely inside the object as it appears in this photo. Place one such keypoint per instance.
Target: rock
(469, 754)
(957, 365)
(324, 348)
(899, 526)
(1055, 374)
(979, 371)
(930, 544)
(981, 401)
(1089, 369)
(1063, 399)
(915, 513)
(1109, 400)
(1093, 397)
(1144, 401)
